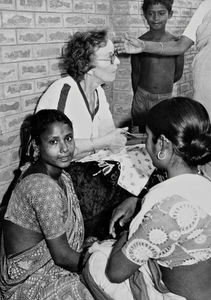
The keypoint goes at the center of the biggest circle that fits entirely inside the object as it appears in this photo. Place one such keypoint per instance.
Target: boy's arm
(179, 65)
(135, 71)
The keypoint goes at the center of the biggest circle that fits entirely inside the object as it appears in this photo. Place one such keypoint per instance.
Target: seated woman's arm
(115, 141)
(159, 235)
(119, 267)
(63, 255)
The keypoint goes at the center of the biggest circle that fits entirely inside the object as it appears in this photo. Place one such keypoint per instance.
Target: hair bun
(198, 152)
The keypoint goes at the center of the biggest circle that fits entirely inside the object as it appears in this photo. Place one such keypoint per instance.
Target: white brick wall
(32, 33)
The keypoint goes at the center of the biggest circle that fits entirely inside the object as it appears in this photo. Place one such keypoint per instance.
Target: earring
(161, 156)
(36, 153)
(163, 138)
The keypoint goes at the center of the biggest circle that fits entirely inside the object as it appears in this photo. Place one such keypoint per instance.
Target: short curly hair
(78, 53)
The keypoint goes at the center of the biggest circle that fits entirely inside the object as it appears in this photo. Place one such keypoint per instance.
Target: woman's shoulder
(37, 183)
(63, 80)
(188, 184)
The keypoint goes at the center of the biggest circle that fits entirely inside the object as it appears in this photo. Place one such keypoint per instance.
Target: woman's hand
(116, 139)
(122, 214)
(129, 45)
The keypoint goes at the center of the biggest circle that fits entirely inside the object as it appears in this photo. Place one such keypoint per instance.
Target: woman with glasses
(89, 61)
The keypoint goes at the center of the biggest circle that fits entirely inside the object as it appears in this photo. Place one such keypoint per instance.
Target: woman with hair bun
(166, 252)
(186, 124)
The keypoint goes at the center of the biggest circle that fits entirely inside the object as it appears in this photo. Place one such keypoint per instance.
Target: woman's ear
(164, 148)
(163, 142)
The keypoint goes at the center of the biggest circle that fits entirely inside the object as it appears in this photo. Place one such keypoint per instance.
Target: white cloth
(97, 264)
(202, 63)
(136, 166)
(119, 291)
(77, 111)
(199, 31)
(196, 20)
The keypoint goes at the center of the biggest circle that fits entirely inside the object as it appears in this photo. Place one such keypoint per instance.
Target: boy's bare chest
(153, 62)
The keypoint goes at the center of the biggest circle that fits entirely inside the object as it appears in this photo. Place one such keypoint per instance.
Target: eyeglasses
(111, 58)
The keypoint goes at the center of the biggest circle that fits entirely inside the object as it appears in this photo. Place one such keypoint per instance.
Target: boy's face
(157, 15)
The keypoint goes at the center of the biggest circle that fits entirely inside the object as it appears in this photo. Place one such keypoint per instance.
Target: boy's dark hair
(167, 3)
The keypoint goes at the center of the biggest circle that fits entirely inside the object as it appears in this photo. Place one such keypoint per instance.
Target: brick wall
(32, 33)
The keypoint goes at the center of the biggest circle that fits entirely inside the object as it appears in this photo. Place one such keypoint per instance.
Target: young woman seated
(43, 231)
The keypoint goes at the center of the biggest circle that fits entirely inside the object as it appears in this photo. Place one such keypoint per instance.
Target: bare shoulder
(147, 36)
(170, 37)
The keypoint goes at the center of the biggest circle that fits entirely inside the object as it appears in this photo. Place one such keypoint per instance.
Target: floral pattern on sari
(175, 231)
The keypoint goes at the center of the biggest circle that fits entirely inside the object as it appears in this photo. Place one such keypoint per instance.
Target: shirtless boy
(153, 75)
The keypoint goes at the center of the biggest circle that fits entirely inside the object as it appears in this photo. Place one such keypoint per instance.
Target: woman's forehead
(57, 127)
(105, 50)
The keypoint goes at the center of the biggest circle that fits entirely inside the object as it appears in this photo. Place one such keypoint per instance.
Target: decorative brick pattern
(58, 34)
(17, 19)
(8, 72)
(32, 34)
(59, 6)
(30, 5)
(48, 20)
(16, 53)
(18, 88)
(40, 85)
(84, 6)
(7, 37)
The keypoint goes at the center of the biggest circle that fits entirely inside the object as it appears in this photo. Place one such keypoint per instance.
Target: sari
(173, 228)
(32, 274)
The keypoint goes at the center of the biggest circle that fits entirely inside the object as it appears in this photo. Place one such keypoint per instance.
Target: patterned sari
(32, 274)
